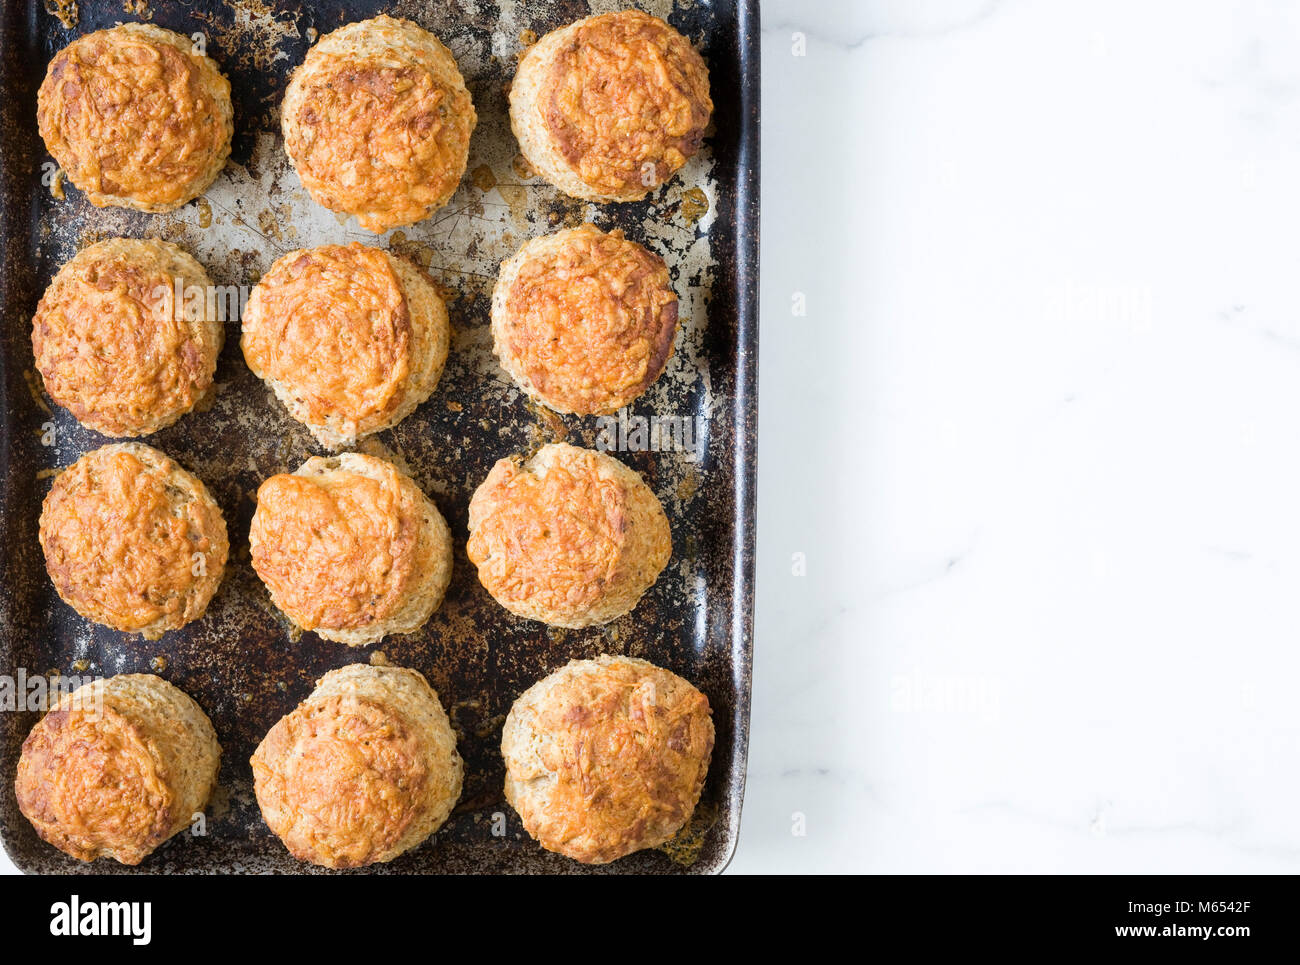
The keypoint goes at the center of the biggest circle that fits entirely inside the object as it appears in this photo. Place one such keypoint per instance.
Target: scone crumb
(65, 10)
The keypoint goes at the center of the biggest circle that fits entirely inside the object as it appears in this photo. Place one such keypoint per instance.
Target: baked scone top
(627, 90)
(99, 790)
(586, 321)
(333, 325)
(607, 756)
(350, 769)
(365, 768)
(132, 540)
(112, 344)
(377, 121)
(117, 767)
(135, 116)
(572, 537)
(336, 547)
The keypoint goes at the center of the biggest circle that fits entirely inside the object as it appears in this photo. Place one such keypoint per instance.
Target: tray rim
(744, 410)
(745, 413)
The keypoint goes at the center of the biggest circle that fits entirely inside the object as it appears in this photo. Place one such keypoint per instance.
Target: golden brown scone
(610, 107)
(117, 767)
(132, 540)
(363, 770)
(571, 537)
(584, 321)
(350, 548)
(350, 338)
(114, 345)
(377, 122)
(135, 117)
(605, 757)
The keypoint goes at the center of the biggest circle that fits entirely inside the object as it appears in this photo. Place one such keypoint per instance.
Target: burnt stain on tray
(241, 662)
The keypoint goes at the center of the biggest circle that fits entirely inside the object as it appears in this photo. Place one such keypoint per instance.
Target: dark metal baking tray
(240, 662)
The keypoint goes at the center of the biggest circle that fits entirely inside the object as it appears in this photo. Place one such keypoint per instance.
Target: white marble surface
(1037, 438)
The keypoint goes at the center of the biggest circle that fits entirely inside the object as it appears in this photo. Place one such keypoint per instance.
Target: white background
(1038, 437)
(1035, 444)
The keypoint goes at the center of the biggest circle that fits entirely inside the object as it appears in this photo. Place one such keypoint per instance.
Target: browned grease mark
(516, 197)
(139, 8)
(695, 204)
(523, 170)
(552, 428)
(483, 178)
(205, 213)
(688, 486)
(269, 224)
(685, 846)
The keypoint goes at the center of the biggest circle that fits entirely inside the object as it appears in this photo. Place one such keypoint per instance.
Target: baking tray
(241, 662)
